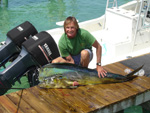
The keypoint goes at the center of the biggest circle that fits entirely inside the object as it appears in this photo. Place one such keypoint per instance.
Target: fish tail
(133, 72)
(131, 77)
(128, 78)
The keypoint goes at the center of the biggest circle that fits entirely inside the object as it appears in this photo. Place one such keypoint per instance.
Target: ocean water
(44, 14)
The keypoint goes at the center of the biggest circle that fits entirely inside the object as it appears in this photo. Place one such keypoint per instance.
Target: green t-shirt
(83, 40)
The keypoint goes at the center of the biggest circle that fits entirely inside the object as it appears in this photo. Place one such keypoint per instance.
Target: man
(75, 46)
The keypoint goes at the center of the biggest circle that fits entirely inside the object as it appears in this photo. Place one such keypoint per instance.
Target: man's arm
(99, 68)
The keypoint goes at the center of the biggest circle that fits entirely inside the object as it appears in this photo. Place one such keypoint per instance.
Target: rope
(19, 101)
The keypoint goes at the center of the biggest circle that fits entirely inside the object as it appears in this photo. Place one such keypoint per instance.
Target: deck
(102, 98)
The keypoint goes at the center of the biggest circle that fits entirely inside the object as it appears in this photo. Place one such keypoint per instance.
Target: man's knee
(84, 54)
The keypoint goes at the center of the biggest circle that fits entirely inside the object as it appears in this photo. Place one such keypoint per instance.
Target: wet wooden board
(102, 98)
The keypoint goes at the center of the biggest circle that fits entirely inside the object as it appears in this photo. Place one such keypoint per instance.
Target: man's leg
(86, 57)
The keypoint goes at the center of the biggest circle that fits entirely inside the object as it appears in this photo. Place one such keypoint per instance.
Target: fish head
(57, 81)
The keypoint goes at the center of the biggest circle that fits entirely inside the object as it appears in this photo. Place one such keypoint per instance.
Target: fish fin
(66, 66)
(133, 72)
(52, 65)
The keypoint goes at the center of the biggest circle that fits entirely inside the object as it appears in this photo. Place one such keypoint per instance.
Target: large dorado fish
(64, 75)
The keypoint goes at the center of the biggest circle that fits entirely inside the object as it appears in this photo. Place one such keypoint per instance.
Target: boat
(123, 31)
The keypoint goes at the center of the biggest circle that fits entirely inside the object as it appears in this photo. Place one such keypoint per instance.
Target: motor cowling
(42, 47)
(15, 37)
(21, 33)
(37, 51)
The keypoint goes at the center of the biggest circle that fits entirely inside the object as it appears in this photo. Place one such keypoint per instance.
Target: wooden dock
(102, 98)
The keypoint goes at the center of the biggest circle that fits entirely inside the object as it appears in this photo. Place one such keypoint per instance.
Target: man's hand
(69, 59)
(101, 71)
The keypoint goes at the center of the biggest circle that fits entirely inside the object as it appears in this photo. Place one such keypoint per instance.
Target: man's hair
(69, 20)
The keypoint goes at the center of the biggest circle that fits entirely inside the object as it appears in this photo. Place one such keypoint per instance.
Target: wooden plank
(55, 104)
(138, 84)
(135, 97)
(63, 98)
(93, 102)
(2, 109)
(92, 91)
(116, 68)
(73, 99)
(36, 102)
(87, 100)
(16, 98)
(130, 101)
(9, 105)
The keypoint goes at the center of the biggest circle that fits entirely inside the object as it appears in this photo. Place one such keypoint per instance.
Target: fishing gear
(10, 48)
(36, 52)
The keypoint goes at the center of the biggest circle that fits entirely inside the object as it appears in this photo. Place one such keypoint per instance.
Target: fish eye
(60, 77)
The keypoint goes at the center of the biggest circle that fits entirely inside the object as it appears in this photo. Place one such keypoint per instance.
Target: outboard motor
(15, 37)
(39, 50)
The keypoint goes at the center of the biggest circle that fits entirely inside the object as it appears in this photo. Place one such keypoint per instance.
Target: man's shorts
(77, 58)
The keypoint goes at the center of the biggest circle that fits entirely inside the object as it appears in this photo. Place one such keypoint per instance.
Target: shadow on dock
(138, 61)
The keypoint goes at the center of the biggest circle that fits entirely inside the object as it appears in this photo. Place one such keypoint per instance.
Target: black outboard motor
(15, 37)
(39, 50)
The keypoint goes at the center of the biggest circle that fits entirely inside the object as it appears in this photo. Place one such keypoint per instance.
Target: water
(44, 14)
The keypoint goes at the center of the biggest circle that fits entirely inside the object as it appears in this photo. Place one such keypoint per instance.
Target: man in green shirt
(75, 46)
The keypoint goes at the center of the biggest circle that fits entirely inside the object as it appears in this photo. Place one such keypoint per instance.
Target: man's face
(71, 30)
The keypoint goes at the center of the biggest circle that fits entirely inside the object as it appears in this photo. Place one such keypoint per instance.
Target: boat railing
(142, 22)
(137, 17)
(146, 15)
(113, 4)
